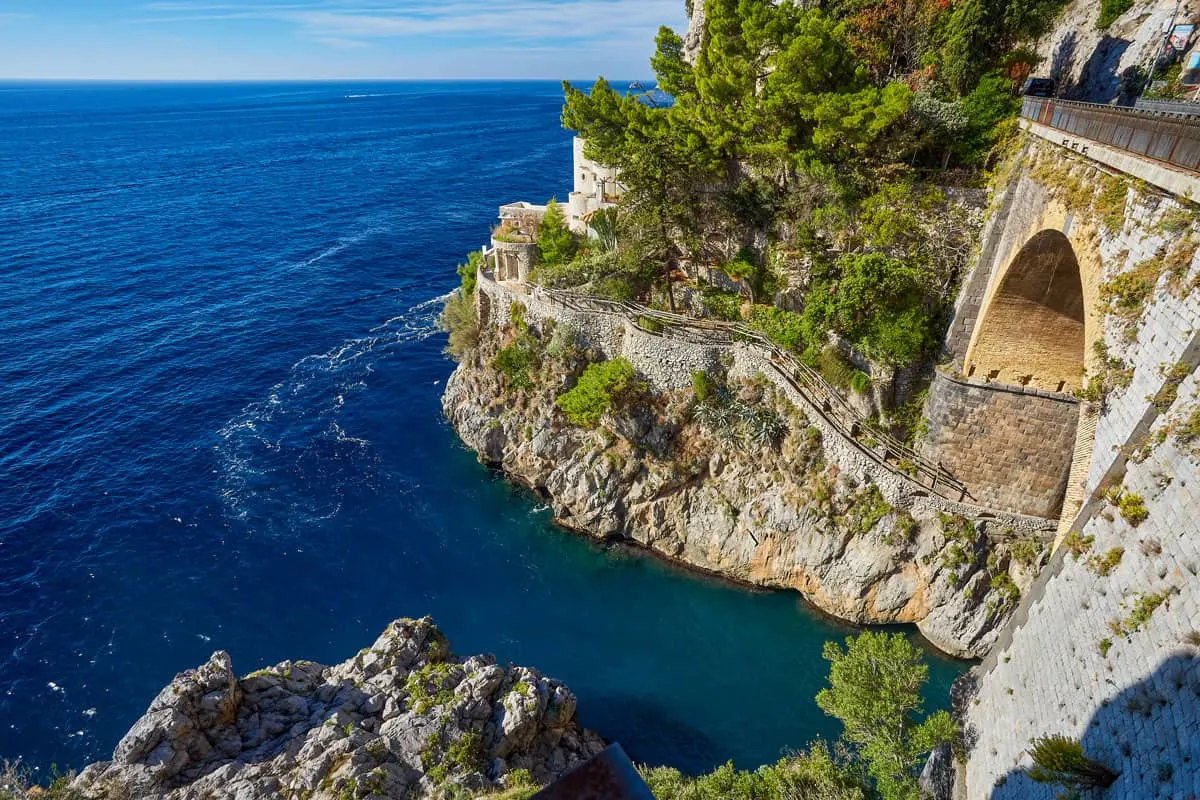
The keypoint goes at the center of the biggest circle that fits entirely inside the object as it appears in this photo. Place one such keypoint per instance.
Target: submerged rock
(402, 718)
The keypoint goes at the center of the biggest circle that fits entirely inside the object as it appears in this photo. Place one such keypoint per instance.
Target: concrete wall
(1012, 447)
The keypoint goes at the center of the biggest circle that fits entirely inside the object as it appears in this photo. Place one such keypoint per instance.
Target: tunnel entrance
(1032, 331)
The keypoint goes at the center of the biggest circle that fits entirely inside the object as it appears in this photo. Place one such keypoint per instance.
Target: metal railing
(830, 405)
(1167, 137)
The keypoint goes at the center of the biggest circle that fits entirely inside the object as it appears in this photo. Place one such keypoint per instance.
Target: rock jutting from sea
(402, 718)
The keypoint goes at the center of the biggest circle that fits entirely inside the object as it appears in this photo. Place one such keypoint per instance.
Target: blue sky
(280, 39)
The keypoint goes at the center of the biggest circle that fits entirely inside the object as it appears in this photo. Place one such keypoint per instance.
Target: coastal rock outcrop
(403, 718)
(780, 514)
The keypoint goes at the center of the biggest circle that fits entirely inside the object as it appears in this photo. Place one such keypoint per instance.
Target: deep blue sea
(220, 425)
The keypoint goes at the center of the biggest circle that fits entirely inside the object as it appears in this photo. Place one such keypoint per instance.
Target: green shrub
(1003, 583)
(723, 305)
(1026, 551)
(705, 386)
(599, 387)
(875, 690)
(468, 272)
(879, 303)
(1076, 544)
(1103, 646)
(459, 320)
(785, 328)
(555, 242)
(517, 361)
(1133, 508)
(1059, 760)
(1110, 10)
(1143, 608)
(814, 775)
(860, 382)
(1104, 565)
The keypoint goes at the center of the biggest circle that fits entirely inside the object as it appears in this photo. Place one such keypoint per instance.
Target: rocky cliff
(403, 718)
(781, 511)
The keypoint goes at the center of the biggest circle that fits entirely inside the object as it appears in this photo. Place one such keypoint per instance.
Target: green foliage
(599, 389)
(459, 320)
(1110, 10)
(868, 507)
(1128, 292)
(1059, 760)
(1103, 646)
(723, 305)
(517, 362)
(605, 224)
(732, 420)
(875, 690)
(876, 302)
(1104, 565)
(1143, 608)
(860, 382)
(555, 242)
(428, 687)
(1133, 508)
(705, 386)
(1002, 583)
(815, 775)
(1026, 551)
(785, 328)
(468, 272)
(1077, 544)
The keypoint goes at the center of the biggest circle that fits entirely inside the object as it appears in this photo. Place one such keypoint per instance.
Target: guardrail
(828, 401)
(1167, 137)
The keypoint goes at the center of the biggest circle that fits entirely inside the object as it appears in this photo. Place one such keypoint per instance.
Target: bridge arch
(1033, 329)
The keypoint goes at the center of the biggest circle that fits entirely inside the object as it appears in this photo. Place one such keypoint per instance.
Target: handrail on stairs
(825, 399)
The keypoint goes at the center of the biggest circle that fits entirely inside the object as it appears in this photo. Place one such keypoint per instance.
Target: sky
(331, 39)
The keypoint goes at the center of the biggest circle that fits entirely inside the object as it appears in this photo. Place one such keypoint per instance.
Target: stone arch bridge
(1004, 414)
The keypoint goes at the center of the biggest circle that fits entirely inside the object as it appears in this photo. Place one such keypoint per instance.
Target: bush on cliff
(517, 361)
(598, 390)
(460, 321)
(814, 775)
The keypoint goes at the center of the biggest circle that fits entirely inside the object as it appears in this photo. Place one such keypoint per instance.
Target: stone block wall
(1073, 663)
(1011, 447)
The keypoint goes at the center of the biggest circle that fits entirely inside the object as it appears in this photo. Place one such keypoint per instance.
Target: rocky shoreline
(783, 516)
(403, 718)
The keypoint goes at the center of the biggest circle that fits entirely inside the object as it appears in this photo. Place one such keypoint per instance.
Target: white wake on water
(289, 456)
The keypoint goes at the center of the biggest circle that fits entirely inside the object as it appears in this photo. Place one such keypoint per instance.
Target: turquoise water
(220, 424)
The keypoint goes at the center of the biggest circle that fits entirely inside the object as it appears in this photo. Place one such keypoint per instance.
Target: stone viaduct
(1087, 275)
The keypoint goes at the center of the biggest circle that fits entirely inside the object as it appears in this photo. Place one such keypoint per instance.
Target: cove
(221, 425)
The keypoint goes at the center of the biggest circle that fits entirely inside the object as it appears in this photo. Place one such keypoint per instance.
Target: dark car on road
(1039, 87)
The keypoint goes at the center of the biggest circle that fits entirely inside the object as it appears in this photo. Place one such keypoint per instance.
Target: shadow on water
(1147, 732)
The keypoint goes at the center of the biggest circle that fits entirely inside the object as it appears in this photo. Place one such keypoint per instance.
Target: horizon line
(4, 79)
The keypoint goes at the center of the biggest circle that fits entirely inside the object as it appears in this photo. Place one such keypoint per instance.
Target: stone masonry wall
(1131, 696)
(1011, 447)
(668, 365)
(1083, 656)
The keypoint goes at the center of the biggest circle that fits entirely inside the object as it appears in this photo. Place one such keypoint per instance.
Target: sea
(220, 427)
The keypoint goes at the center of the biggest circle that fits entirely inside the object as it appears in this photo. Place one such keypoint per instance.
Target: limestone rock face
(781, 516)
(400, 719)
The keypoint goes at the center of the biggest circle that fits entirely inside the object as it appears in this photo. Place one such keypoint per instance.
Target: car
(1039, 87)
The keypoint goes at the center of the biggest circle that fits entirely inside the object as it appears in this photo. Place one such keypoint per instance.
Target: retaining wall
(668, 365)
(1012, 447)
